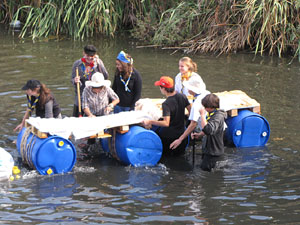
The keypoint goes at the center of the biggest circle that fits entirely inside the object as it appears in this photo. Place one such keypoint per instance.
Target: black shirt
(128, 99)
(174, 106)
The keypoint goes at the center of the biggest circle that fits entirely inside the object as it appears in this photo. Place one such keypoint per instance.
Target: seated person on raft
(98, 98)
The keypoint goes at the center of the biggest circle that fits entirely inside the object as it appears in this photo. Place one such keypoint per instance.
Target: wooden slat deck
(233, 101)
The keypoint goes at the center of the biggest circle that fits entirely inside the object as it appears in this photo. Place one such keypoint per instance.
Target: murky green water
(252, 186)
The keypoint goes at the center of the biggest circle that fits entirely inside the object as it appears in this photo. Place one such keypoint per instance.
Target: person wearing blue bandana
(40, 99)
(127, 83)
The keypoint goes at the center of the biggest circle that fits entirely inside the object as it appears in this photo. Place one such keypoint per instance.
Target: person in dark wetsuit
(41, 99)
(172, 125)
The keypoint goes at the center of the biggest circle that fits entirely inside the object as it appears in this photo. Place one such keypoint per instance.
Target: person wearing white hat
(98, 98)
(197, 89)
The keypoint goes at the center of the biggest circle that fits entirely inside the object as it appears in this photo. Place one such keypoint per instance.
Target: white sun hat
(97, 81)
(195, 84)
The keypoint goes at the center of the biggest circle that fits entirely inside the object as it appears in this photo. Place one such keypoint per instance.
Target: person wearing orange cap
(172, 125)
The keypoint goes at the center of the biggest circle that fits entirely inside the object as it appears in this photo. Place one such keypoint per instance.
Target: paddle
(78, 95)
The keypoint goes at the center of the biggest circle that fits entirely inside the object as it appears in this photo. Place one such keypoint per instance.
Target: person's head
(32, 87)
(195, 85)
(211, 101)
(36, 88)
(165, 83)
(186, 64)
(97, 82)
(89, 52)
(124, 63)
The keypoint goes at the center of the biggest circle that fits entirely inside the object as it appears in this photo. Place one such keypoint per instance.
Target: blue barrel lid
(249, 130)
(55, 155)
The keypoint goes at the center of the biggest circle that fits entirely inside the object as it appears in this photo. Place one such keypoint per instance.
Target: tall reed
(77, 18)
(220, 26)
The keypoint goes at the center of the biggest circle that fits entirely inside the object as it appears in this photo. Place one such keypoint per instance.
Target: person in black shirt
(41, 99)
(213, 130)
(127, 83)
(172, 125)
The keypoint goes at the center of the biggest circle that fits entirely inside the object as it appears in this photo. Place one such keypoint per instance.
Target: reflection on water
(251, 186)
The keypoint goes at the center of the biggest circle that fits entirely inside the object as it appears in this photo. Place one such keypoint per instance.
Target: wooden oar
(78, 94)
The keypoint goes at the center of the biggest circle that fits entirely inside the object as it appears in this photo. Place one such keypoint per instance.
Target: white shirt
(195, 110)
(180, 88)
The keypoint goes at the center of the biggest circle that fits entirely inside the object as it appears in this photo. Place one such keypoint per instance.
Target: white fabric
(195, 84)
(179, 87)
(6, 164)
(84, 126)
(195, 110)
(149, 107)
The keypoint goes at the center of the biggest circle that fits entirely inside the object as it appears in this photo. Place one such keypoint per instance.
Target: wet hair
(127, 67)
(211, 101)
(189, 63)
(168, 90)
(90, 50)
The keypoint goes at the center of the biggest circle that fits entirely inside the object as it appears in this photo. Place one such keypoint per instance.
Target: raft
(246, 127)
(123, 138)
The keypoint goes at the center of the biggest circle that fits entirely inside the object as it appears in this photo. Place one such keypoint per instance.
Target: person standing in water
(40, 99)
(89, 64)
(187, 70)
(127, 83)
(172, 125)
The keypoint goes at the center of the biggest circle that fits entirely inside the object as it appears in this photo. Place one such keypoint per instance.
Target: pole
(78, 94)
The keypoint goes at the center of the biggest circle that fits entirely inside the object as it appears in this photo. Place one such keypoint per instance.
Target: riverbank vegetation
(219, 26)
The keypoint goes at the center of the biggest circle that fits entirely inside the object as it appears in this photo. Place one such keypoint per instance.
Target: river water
(251, 186)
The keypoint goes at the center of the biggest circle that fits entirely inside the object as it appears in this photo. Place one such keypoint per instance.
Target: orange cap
(165, 81)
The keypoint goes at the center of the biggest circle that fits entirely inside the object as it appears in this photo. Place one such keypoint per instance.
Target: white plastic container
(6, 164)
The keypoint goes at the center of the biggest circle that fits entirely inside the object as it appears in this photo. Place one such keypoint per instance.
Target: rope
(26, 149)
(112, 143)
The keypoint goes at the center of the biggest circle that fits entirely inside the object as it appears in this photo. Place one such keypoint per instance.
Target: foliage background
(219, 26)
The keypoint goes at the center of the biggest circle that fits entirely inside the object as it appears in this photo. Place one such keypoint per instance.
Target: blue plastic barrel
(137, 147)
(52, 155)
(247, 129)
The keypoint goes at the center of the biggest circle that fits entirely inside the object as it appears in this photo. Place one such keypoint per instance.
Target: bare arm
(187, 132)
(161, 123)
(22, 124)
(88, 112)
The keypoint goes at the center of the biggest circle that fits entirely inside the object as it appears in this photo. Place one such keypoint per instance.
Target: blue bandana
(122, 57)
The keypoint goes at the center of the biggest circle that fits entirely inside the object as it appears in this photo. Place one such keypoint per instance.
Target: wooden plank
(123, 129)
(232, 112)
(256, 110)
(27, 124)
(38, 133)
(100, 134)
